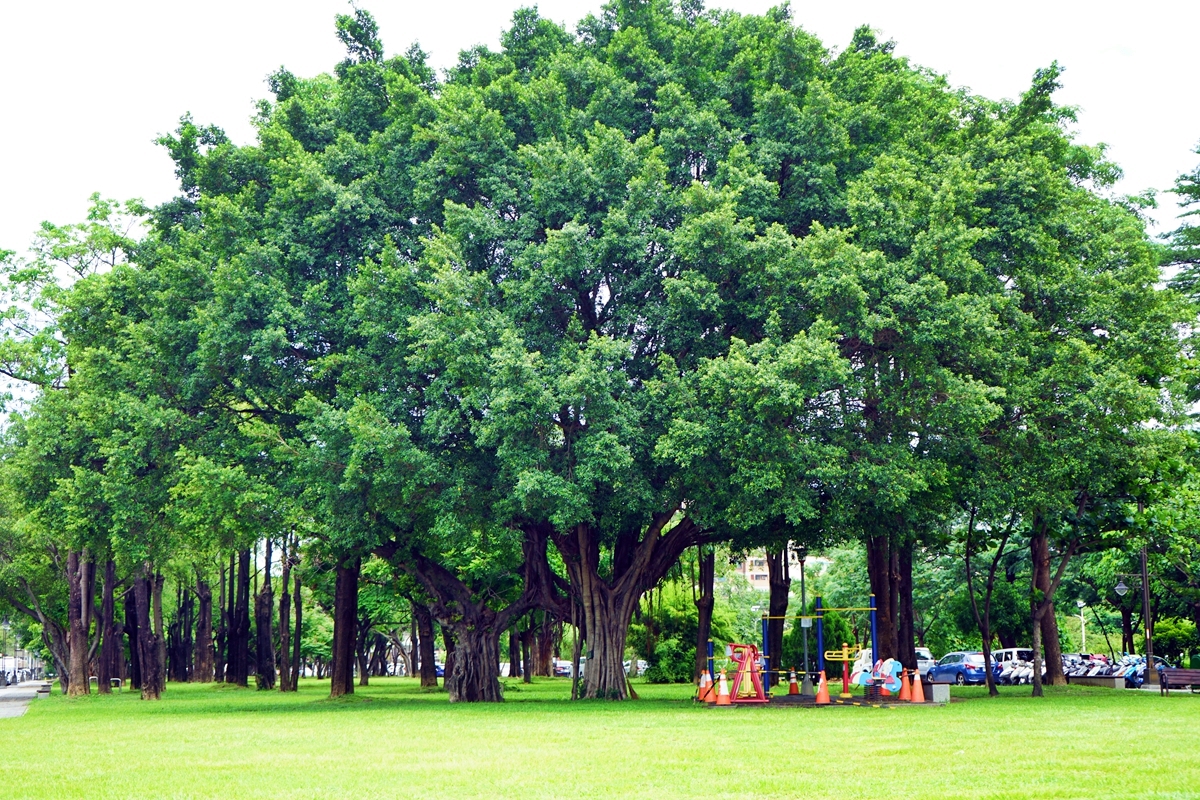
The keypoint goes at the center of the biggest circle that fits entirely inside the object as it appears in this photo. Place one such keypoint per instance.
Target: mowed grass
(391, 739)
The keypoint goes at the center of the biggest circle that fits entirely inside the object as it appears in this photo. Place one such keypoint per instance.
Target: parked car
(925, 660)
(562, 669)
(961, 668)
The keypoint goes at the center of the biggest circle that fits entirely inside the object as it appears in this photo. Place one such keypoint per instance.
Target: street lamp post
(1147, 623)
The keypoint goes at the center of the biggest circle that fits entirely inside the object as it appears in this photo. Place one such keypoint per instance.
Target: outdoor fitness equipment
(747, 680)
(769, 669)
(845, 655)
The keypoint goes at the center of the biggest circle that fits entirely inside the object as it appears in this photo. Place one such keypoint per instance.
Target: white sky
(85, 87)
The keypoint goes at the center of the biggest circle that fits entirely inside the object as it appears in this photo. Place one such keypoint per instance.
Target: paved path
(15, 699)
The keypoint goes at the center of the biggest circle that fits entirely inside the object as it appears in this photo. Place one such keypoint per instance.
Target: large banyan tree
(532, 328)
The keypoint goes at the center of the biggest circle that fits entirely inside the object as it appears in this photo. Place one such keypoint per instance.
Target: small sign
(805, 623)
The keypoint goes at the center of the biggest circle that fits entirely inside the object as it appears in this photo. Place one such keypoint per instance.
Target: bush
(1174, 637)
(671, 662)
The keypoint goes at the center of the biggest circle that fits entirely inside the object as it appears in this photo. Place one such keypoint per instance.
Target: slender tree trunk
(156, 610)
(264, 607)
(237, 670)
(285, 610)
(1039, 547)
(705, 601)
(779, 582)
(1037, 657)
(221, 650)
(345, 623)
(297, 634)
(361, 645)
(544, 653)
(448, 643)
(1127, 630)
(77, 644)
(110, 643)
(425, 645)
(202, 661)
(514, 653)
(135, 639)
(526, 669)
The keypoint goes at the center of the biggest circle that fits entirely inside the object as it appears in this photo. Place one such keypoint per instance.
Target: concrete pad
(15, 699)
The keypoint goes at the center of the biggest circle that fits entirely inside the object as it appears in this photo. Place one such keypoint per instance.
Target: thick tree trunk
(544, 651)
(264, 609)
(880, 570)
(149, 641)
(180, 643)
(779, 583)
(131, 631)
(345, 624)
(202, 658)
(110, 643)
(905, 624)
(425, 646)
(1039, 548)
(237, 667)
(705, 601)
(639, 560)
(77, 634)
(472, 677)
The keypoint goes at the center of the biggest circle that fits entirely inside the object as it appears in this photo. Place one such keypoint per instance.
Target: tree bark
(1039, 548)
(779, 582)
(221, 651)
(135, 641)
(285, 610)
(472, 676)
(297, 634)
(514, 652)
(202, 658)
(149, 642)
(526, 669)
(110, 643)
(905, 623)
(879, 568)
(264, 608)
(77, 644)
(361, 645)
(640, 559)
(237, 667)
(425, 646)
(345, 624)
(705, 601)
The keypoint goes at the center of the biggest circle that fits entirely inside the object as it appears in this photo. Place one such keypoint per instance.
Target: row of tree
(512, 340)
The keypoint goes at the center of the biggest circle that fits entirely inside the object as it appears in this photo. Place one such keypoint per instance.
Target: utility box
(937, 693)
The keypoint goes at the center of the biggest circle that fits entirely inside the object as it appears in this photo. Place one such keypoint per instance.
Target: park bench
(115, 683)
(1179, 678)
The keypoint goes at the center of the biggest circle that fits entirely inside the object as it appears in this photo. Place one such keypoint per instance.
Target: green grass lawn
(393, 740)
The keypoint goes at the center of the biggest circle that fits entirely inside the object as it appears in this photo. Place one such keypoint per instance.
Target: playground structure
(756, 674)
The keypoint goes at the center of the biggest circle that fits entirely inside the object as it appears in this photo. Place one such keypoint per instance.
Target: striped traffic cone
(706, 688)
(723, 692)
(793, 687)
(918, 690)
(823, 691)
(905, 691)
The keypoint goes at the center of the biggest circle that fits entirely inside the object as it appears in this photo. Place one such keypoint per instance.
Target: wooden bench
(1179, 678)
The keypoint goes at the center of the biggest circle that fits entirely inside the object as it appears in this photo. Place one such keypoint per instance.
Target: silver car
(925, 660)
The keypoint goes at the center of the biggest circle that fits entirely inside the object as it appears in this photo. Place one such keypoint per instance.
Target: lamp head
(1081, 604)
(1121, 588)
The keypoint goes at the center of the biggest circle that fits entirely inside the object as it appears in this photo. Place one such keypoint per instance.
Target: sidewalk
(15, 699)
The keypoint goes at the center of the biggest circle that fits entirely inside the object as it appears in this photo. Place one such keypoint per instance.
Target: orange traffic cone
(723, 698)
(905, 691)
(823, 691)
(793, 687)
(706, 694)
(918, 691)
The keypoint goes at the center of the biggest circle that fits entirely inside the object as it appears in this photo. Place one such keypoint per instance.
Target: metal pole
(766, 658)
(710, 659)
(1151, 672)
(820, 636)
(804, 606)
(874, 633)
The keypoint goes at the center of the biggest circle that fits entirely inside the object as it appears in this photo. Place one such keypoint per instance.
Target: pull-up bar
(819, 616)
